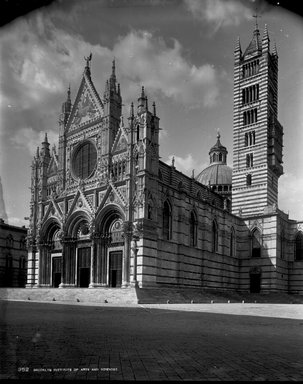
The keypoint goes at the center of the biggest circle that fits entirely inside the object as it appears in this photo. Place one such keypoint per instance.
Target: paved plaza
(217, 342)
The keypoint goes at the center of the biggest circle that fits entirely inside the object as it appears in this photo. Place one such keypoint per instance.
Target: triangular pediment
(87, 107)
(53, 210)
(80, 203)
(121, 142)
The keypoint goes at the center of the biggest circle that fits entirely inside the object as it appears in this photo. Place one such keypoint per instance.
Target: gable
(87, 107)
(120, 143)
(53, 167)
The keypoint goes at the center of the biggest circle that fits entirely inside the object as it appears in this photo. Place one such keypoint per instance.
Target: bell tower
(257, 133)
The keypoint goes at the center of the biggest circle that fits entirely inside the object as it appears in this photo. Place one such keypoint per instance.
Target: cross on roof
(256, 17)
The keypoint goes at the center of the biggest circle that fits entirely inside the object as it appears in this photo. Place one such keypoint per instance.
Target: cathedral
(105, 211)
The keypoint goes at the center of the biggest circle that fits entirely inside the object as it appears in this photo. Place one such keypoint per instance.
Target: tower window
(248, 180)
(249, 160)
(250, 69)
(250, 138)
(250, 116)
(250, 94)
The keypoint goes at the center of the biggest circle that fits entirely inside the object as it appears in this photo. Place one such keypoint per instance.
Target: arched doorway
(50, 255)
(110, 247)
(83, 254)
(255, 280)
(115, 253)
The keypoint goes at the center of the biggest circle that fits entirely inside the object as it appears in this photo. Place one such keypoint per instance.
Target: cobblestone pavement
(155, 342)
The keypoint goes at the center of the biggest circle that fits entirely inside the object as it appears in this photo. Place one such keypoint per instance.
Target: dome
(215, 174)
(218, 175)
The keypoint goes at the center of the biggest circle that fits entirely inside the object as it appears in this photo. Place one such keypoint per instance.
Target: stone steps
(199, 295)
(132, 295)
(83, 295)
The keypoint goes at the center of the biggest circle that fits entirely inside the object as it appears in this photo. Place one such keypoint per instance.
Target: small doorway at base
(84, 277)
(84, 267)
(115, 269)
(255, 281)
(56, 272)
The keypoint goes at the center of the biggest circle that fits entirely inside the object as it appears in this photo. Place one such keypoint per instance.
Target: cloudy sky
(180, 50)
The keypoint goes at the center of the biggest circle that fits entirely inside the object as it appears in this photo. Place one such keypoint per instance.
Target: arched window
(220, 157)
(256, 243)
(232, 244)
(166, 221)
(193, 229)
(299, 246)
(215, 236)
(138, 132)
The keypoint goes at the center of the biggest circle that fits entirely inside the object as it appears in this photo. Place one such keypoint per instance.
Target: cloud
(17, 222)
(290, 195)
(162, 69)
(29, 139)
(219, 13)
(40, 60)
(186, 164)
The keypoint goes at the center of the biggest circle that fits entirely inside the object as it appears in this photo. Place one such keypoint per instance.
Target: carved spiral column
(105, 241)
(127, 234)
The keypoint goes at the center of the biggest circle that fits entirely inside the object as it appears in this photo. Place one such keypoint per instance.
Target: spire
(265, 40)
(112, 79)
(275, 51)
(45, 147)
(68, 93)
(238, 44)
(113, 69)
(67, 106)
(255, 46)
(142, 102)
(45, 139)
(154, 109)
(3, 214)
(88, 59)
(132, 110)
(265, 33)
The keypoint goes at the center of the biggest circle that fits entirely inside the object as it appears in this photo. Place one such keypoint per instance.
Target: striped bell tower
(257, 133)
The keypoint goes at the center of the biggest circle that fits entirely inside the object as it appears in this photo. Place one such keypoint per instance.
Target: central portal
(115, 269)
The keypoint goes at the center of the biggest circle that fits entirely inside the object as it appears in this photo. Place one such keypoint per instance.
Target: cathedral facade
(105, 211)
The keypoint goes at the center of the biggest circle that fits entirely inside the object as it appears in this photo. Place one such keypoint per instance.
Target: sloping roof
(255, 46)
